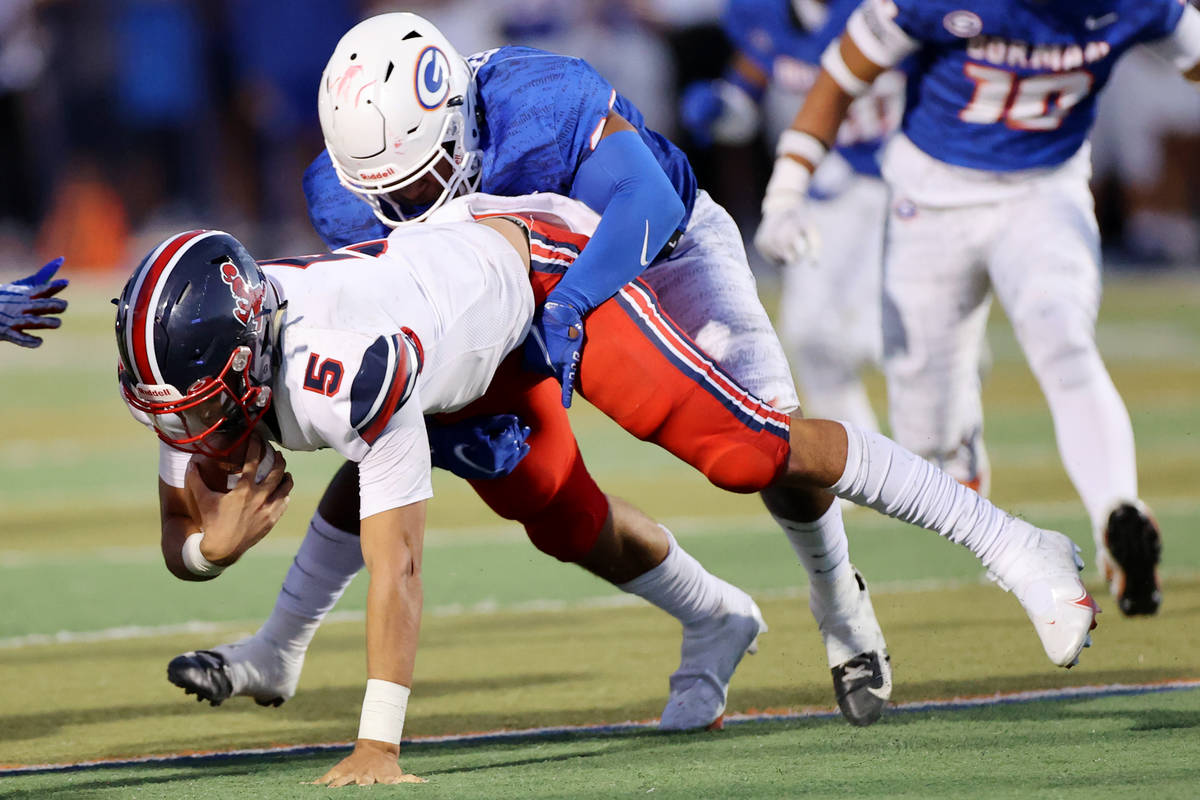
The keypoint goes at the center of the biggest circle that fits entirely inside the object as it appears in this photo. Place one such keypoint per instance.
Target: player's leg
(707, 289)
(1048, 279)
(267, 665)
(829, 309)
(935, 308)
(567, 516)
(1039, 567)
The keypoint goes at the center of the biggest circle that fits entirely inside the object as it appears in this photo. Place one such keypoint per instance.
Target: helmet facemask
(216, 415)
(451, 167)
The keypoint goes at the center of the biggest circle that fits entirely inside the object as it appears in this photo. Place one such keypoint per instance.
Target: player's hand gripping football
(236, 520)
(784, 236)
(28, 303)
(370, 762)
(556, 343)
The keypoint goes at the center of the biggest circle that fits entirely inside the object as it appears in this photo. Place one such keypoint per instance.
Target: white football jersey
(377, 335)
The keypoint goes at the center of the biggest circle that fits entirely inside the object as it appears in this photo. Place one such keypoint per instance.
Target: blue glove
(479, 448)
(25, 304)
(555, 344)
(699, 107)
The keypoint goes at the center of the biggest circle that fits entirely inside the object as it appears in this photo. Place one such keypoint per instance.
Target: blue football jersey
(775, 39)
(1012, 84)
(541, 113)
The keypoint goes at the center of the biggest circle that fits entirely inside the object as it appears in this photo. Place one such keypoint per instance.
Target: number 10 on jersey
(1035, 103)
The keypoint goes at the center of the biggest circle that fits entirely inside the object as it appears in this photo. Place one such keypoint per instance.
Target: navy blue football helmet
(195, 333)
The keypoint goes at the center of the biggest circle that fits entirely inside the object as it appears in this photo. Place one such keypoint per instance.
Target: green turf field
(512, 640)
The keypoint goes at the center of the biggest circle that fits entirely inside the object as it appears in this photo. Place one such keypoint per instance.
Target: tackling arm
(639, 212)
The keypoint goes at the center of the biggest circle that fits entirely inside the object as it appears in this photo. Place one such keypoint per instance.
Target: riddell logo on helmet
(376, 176)
(157, 392)
(247, 298)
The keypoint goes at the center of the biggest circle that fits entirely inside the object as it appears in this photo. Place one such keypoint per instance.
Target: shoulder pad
(385, 380)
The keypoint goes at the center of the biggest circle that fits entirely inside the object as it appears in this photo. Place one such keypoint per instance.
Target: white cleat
(710, 652)
(857, 652)
(1043, 574)
(252, 667)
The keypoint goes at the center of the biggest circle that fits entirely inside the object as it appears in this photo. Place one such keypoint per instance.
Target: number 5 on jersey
(323, 376)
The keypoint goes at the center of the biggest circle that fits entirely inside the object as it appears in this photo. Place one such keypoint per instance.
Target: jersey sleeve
(581, 119)
(385, 382)
(1180, 46)
(338, 216)
(884, 31)
(396, 470)
(344, 387)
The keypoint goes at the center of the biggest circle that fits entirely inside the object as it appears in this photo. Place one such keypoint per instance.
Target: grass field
(512, 640)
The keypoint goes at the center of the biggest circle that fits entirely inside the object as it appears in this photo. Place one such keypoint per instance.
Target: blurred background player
(830, 303)
(524, 120)
(29, 304)
(989, 181)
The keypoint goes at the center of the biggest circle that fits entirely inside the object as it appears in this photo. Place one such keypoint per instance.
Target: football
(222, 476)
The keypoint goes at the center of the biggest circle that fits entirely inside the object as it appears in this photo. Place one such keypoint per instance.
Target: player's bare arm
(846, 74)
(825, 106)
(231, 522)
(513, 232)
(391, 543)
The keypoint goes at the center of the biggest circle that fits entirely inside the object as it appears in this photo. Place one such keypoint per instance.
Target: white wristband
(788, 184)
(833, 63)
(383, 710)
(195, 561)
(798, 143)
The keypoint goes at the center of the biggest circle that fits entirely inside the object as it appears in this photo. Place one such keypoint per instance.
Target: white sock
(328, 559)
(681, 587)
(822, 547)
(1095, 441)
(894, 481)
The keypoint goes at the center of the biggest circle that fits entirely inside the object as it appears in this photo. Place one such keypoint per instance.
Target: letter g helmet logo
(432, 78)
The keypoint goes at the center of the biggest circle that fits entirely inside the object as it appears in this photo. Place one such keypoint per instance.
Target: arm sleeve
(639, 210)
(172, 465)
(395, 472)
(875, 30)
(1181, 47)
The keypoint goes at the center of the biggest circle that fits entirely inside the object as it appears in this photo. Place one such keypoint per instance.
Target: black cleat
(863, 685)
(202, 673)
(1135, 546)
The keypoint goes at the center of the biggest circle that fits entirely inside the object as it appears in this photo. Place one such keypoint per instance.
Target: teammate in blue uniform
(829, 313)
(30, 304)
(989, 181)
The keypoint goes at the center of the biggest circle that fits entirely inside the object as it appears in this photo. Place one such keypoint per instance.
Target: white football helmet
(397, 107)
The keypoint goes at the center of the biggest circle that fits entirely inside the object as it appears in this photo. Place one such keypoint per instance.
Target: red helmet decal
(248, 298)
